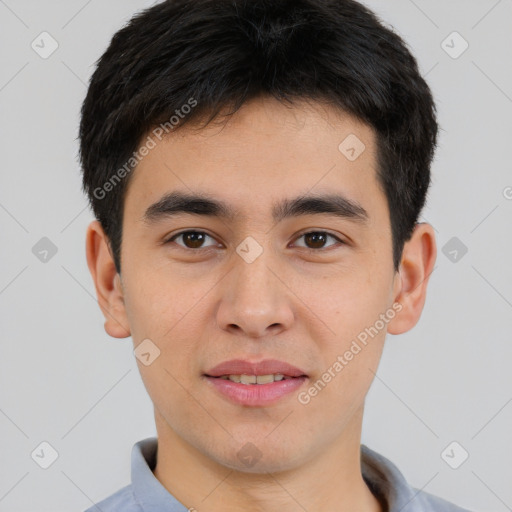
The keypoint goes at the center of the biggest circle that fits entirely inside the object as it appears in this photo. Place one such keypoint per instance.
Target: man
(257, 170)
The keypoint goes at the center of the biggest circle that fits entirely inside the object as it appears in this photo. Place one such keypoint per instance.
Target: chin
(261, 456)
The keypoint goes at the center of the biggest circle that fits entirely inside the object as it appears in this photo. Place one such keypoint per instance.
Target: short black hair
(209, 55)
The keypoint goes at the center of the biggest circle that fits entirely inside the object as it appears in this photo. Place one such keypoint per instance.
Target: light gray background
(64, 381)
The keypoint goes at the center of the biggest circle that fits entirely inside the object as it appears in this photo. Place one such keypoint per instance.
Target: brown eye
(317, 240)
(192, 239)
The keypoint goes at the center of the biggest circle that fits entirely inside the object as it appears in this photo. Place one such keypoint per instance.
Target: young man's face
(250, 288)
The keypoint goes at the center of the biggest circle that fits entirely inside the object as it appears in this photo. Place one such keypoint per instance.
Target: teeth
(264, 379)
(255, 379)
(248, 379)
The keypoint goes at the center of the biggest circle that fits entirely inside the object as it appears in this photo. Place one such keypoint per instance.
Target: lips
(266, 367)
(275, 381)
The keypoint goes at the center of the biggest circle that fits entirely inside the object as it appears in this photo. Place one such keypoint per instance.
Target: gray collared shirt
(147, 494)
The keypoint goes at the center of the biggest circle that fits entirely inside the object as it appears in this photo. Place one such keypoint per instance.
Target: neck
(332, 480)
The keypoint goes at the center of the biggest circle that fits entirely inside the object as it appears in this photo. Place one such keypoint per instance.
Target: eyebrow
(175, 203)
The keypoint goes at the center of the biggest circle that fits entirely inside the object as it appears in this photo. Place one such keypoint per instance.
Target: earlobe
(417, 264)
(106, 281)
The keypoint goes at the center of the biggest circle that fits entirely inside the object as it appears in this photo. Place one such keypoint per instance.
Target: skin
(306, 308)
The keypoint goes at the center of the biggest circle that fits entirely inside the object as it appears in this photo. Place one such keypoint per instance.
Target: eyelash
(309, 249)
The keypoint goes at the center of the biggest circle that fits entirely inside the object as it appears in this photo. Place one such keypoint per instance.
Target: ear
(418, 259)
(107, 281)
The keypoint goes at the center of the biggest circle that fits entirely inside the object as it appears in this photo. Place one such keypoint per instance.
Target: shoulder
(387, 482)
(431, 503)
(121, 501)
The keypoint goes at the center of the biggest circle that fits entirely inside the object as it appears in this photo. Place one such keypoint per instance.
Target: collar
(380, 474)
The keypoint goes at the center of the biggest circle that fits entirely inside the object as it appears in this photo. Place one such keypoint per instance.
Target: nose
(255, 300)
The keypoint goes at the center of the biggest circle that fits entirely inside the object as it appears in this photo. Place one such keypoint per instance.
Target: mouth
(265, 369)
(255, 379)
(255, 384)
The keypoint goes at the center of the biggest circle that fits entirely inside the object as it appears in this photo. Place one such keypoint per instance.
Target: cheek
(169, 389)
(351, 307)
(349, 302)
(170, 312)
(156, 302)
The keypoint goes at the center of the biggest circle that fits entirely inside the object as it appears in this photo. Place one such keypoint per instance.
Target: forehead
(264, 152)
